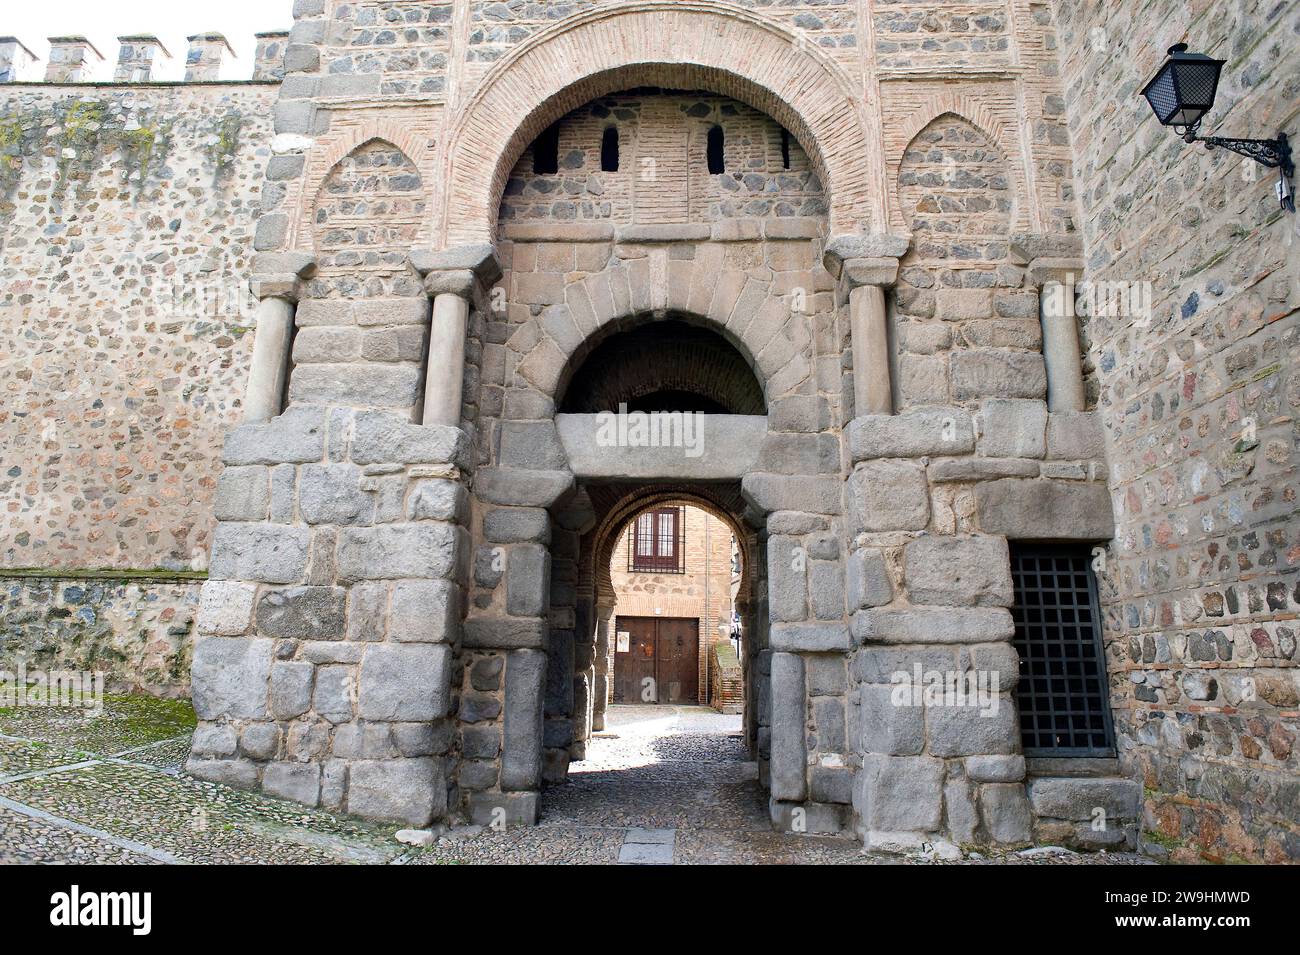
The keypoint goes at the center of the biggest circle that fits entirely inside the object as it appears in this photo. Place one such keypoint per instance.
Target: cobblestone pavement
(661, 785)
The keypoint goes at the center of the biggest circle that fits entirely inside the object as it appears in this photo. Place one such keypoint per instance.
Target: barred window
(658, 542)
(1062, 697)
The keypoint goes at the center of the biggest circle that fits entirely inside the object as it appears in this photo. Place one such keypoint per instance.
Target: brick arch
(983, 119)
(745, 309)
(714, 500)
(684, 44)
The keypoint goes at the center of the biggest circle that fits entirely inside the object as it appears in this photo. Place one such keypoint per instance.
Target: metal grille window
(1064, 709)
(658, 542)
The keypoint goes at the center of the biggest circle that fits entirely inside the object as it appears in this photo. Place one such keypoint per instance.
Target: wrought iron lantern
(1182, 92)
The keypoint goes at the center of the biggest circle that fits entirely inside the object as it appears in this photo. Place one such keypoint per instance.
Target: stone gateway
(1017, 561)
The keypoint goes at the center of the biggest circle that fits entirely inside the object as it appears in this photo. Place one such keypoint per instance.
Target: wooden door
(661, 661)
(678, 647)
(635, 664)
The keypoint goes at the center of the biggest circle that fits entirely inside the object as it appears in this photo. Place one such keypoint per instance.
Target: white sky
(103, 21)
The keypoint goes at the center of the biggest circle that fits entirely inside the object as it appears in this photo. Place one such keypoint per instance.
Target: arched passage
(670, 365)
(682, 45)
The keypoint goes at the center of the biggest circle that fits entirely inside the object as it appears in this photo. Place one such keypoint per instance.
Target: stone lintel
(715, 448)
(1045, 271)
(559, 232)
(479, 258)
(1027, 246)
(666, 232)
(880, 245)
(877, 271)
(459, 282)
(505, 633)
(279, 274)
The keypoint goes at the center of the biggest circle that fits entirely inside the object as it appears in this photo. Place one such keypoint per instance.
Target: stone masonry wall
(126, 223)
(1200, 399)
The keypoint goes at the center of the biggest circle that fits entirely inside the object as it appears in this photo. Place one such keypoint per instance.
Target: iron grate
(1062, 698)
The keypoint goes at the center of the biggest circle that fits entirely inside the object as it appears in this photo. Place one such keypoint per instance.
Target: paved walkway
(662, 785)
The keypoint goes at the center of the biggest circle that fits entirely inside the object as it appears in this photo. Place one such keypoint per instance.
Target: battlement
(73, 57)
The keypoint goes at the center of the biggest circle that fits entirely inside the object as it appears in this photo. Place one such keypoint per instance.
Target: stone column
(450, 278)
(275, 283)
(1056, 279)
(867, 280)
(600, 687)
(445, 370)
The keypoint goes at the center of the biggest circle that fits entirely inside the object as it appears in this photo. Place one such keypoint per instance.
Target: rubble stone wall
(1198, 388)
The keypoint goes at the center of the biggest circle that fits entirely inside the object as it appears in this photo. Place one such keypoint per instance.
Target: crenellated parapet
(72, 59)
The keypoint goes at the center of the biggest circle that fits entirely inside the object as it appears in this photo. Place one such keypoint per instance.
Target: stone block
(225, 608)
(963, 304)
(911, 434)
(514, 525)
(995, 769)
(424, 611)
(810, 637)
(267, 553)
(900, 793)
(878, 665)
(831, 784)
(960, 817)
(1013, 428)
(521, 758)
(412, 791)
(1075, 435)
(789, 748)
(504, 809)
(438, 500)
(334, 693)
(781, 492)
(360, 384)
(404, 682)
(291, 689)
(298, 782)
(235, 773)
(381, 437)
(303, 613)
(522, 488)
(229, 677)
(243, 494)
(1007, 816)
(368, 612)
(331, 494)
(933, 625)
(985, 725)
(826, 590)
(419, 550)
(505, 633)
(295, 437)
(868, 581)
(1023, 509)
(888, 722)
(965, 571)
(481, 742)
(533, 445)
(985, 373)
(890, 495)
(528, 580)
(214, 740)
(1076, 798)
(787, 561)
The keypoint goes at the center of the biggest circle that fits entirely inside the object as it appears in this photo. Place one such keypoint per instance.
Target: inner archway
(668, 365)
